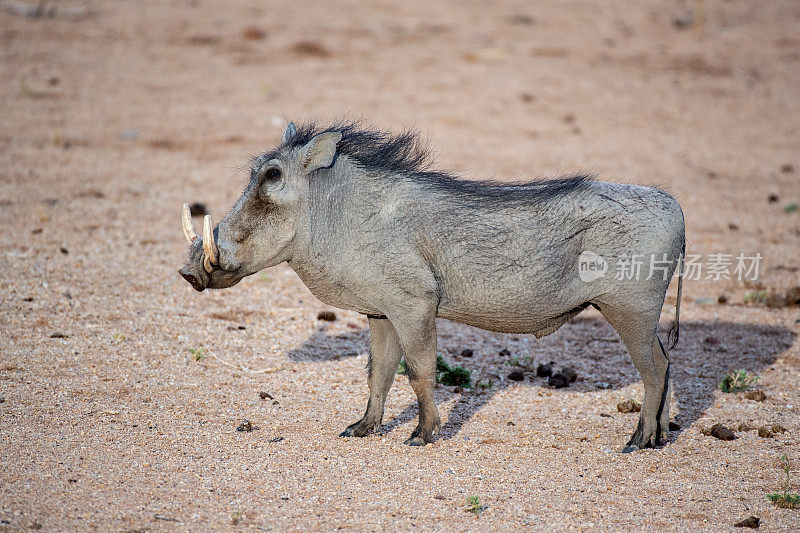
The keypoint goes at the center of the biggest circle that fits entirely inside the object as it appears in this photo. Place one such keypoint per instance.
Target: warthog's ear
(291, 131)
(320, 151)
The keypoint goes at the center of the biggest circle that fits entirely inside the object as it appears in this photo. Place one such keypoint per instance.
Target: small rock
(545, 370)
(35, 526)
(328, 316)
(264, 395)
(275, 402)
(773, 199)
(755, 395)
(558, 381)
(276, 439)
(788, 168)
(605, 415)
(510, 423)
(59, 335)
(722, 433)
(467, 352)
(722, 299)
(777, 428)
(683, 22)
(733, 226)
(792, 296)
(198, 209)
(629, 406)
(458, 390)
(505, 352)
(765, 432)
(246, 425)
(2, 399)
(752, 522)
(253, 33)
(64, 250)
(775, 300)
(570, 374)
(440, 497)
(674, 426)
(27, 299)
(516, 375)
(744, 426)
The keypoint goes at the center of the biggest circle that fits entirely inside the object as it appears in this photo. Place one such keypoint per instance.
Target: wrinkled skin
(395, 247)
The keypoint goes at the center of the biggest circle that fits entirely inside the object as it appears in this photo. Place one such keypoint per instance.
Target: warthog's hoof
(415, 441)
(359, 429)
(630, 448)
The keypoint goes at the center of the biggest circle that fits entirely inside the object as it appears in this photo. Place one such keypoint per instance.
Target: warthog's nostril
(193, 281)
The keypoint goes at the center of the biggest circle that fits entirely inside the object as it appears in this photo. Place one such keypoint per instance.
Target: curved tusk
(209, 246)
(188, 229)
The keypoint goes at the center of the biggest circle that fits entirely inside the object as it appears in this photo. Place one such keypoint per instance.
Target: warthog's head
(260, 229)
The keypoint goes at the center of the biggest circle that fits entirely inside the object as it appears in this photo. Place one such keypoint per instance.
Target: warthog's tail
(674, 332)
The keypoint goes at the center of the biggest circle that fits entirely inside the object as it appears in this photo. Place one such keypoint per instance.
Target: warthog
(367, 226)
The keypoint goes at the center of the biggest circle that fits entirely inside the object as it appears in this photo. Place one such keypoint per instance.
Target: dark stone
(246, 425)
(59, 335)
(328, 316)
(570, 374)
(752, 522)
(276, 439)
(467, 352)
(545, 370)
(722, 433)
(516, 375)
(773, 198)
(264, 395)
(558, 381)
(505, 352)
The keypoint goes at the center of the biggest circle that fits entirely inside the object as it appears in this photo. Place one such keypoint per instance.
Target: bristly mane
(404, 154)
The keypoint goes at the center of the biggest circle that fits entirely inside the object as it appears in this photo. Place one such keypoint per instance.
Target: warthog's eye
(271, 174)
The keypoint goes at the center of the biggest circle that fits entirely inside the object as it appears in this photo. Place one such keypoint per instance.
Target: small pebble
(755, 395)
(773, 199)
(64, 250)
(722, 299)
(545, 370)
(276, 439)
(744, 426)
(505, 352)
(328, 316)
(777, 428)
(788, 168)
(254, 33)
(765, 432)
(792, 296)
(722, 433)
(246, 425)
(570, 374)
(733, 226)
(752, 522)
(59, 335)
(629, 406)
(516, 375)
(458, 390)
(467, 352)
(264, 395)
(558, 381)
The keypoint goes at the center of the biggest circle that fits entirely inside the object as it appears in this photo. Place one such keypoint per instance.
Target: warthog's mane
(404, 154)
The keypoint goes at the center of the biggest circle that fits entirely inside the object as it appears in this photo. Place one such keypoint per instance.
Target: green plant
(474, 505)
(738, 381)
(402, 369)
(198, 353)
(785, 499)
(452, 375)
(790, 208)
(526, 363)
(756, 296)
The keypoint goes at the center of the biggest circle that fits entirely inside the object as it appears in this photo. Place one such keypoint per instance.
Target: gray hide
(366, 227)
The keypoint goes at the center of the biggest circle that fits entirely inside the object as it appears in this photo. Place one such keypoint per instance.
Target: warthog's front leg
(384, 356)
(417, 333)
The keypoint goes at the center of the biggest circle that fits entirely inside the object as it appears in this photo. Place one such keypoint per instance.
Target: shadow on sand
(706, 351)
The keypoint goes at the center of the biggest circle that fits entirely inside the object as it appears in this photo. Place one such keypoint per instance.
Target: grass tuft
(198, 353)
(474, 505)
(738, 381)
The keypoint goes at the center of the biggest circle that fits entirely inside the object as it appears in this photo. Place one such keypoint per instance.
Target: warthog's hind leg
(384, 356)
(637, 329)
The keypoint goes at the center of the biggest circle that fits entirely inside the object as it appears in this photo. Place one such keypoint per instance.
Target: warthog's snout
(204, 268)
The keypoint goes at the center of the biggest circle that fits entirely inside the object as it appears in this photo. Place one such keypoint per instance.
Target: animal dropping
(368, 226)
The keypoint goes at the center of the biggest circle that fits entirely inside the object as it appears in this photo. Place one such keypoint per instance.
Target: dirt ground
(128, 420)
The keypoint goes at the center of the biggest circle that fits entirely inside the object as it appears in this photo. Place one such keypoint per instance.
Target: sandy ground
(109, 123)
